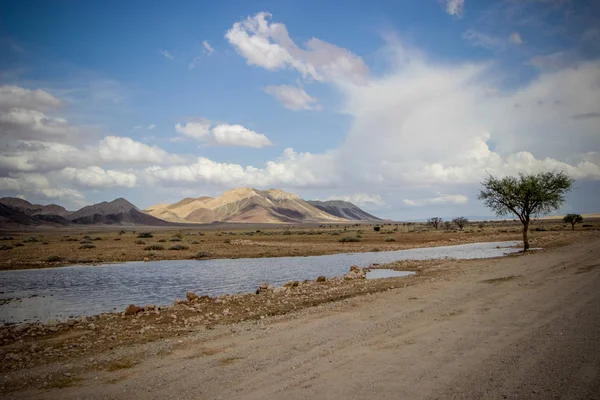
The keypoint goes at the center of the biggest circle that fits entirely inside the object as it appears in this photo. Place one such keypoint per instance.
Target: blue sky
(400, 106)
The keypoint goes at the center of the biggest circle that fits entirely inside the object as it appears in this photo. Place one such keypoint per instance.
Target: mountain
(243, 205)
(118, 211)
(343, 209)
(34, 209)
(15, 211)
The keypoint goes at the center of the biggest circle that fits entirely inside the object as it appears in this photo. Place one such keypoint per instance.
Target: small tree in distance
(573, 219)
(460, 222)
(435, 222)
(525, 196)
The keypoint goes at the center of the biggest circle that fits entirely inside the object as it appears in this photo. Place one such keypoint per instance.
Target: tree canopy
(573, 219)
(525, 195)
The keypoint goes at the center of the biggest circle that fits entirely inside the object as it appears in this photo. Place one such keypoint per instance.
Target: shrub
(178, 235)
(154, 247)
(587, 225)
(178, 247)
(175, 239)
(140, 241)
(390, 239)
(19, 245)
(202, 254)
(195, 242)
(376, 228)
(122, 232)
(349, 239)
(30, 239)
(85, 242)
(5, 247)
(87, 246)
(7, 238)
(162, 240)
(116, 239)
(460, 222)
(86, 237)
(145, 235)
(53, 258)
(97, 238)
(227, 241)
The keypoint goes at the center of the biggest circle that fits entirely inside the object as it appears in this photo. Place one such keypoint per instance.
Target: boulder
(321, 279)
(355, 268)
(132, 309)
(291, 284)
(265, 287)
(191, 296)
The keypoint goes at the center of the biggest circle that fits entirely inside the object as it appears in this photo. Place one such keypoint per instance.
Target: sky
(402, 107)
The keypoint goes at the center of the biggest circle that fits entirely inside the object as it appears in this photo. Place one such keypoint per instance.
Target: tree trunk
(525, 238)
(572, 227)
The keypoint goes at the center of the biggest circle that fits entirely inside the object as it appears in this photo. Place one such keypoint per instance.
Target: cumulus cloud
(127, 150)
(268, 45)
(223, 134)
(207, 47)
(455, 7)
(361, 199)
(293, 98)
(440, 199)
(38, 185)
(99, 178)
(21, 98)
(480, 39)
(553, 61)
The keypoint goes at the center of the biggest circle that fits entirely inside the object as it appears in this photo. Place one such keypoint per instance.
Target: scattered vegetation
(347, 239)
(30, 239)
(460, 222)
(175, 239)
(179, 246)
(5, 247)
(390, 239)
(376, 228)
(573, 219)
(140, 241)
(87, 246)
(162, 240)
(145, 235)
(154, 247)
(435, 222)
(202, 254)
(53, 258)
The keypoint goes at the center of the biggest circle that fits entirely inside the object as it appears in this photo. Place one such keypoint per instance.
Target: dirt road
(514, 328)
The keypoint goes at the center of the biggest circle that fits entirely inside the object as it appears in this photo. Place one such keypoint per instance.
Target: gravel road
(524, 327)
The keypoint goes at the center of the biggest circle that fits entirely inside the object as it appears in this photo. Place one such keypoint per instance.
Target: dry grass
(113, 245)
(497, 281)
(120, 364)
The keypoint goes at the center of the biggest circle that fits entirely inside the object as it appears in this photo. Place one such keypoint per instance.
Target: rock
(279, 289)
(265, 287)
(132, 310)
(354, 268)
(146, 259)
(321, 279)
(291, 284)
(191, 296)
(149, 307)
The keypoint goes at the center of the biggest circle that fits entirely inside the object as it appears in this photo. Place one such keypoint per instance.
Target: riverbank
(20, 250)
(445, 332)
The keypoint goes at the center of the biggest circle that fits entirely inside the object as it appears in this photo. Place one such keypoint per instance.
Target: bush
(178, 236)
(587, 225)
(227, 241)
(390, 239)
(376, 228)
(349, 239)
(145, 235)
(19, 245)
(175, 239)
(154, 247)
(178, 247)
(202, 254)
(87, 246)
(7, 238)
(116, 239)
(5, 247)
(122, 232)
(97, 238)
(53, 258)
(30, 239)
(85, 242)
(195, 242)
(162, 240)
(140, 241)
(86, 237)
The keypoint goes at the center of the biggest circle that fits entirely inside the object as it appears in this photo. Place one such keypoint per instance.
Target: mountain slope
(243, 205)
(118, 211)
(343, 209)
(34, 209)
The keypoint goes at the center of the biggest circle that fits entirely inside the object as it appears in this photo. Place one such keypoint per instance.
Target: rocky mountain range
(244, 205)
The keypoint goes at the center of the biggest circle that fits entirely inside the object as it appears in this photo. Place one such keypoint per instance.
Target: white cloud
(21, 98)
(151, 126)
(127, 150)
(361, 199)
(99, 178)
(440, 199)
(515, 38)
(207, 48)
(167, 54)
(38, 185)
(223, 134)
(269, 46)
(553, 61)
(455, 7)
(293, 98)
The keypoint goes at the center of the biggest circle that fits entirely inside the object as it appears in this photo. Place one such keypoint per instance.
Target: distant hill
(118, 211)
(14, 211)
(343, 209)
(243, 205)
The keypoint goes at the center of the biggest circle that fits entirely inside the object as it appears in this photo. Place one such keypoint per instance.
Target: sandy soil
(92, 245)
(510, 328)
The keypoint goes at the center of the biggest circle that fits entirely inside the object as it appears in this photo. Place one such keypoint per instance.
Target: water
(58, 293)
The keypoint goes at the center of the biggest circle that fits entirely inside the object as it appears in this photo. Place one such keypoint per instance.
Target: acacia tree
(435, 222)
(573, 219)
(460, 222)
(525, 196)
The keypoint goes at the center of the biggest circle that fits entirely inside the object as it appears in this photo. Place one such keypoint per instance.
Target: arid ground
(56, 247)
(518, 327)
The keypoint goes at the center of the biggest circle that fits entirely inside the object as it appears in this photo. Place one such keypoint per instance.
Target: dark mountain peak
(16, 202)
(343, 209)
(122, 204)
